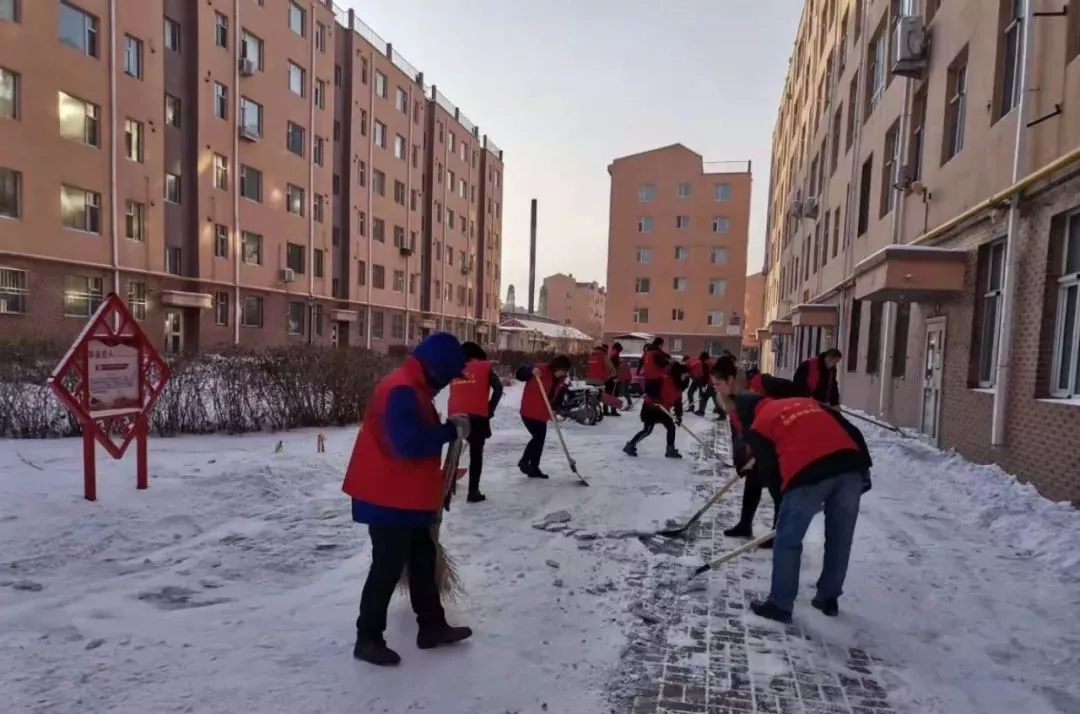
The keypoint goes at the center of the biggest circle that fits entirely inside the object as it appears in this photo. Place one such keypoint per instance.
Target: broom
(446, 575)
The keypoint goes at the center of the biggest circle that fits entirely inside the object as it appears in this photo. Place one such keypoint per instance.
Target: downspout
(237, 237)
(1005, 322)
(310, 198)
(114, 200)
(409, 206)
(369, 176)
(888, 338)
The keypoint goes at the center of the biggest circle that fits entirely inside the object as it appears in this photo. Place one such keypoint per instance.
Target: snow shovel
(733, 554)
(868, 420)
(558, 429)
(685, 428)
(679, 532)
(612, 401)
(446, 575)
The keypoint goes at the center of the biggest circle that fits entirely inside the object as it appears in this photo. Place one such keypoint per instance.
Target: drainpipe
(237, 242)
(369, 176)
(888, 341)
(310, 198)
(408, 207)
(1005, 322)
(114, 200)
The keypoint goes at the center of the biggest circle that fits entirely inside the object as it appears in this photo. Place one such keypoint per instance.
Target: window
(681, 253)
(399, 147)
(317, 151)
(1065, 374)
(853, 110)
(10, 193)
(294, 258)
(873, 340)
(715, 318)
(221, 172)
(252, 313)
(377, 320)
(133, 57)
(641, 315)
(865, 179)
(294, 200)
(721, 224)
(717, 287)
(251, 49)
(133, 140)
(380, 84)
(956, 109)
(679, 285)
(378, 182)
(361, 173)
(172, 188)
(684, 190)
(644, 255)
(642, 285)
(317, 207)
(900, 339)
(378, 277)
(399, 281)
(174, 261)
(221, 241)
(397, 326)
(78, 120)
(9, 94)
(296, 79)
(251, 113)
(319, 267)
(82, 295)
(361, 223)
(136, 299)
(875, 67)
(1010, 50)
(718, 255)
(296, 18)
(399, 193)
(682, 222)
(251, 183)
(320, 93)
(80, 210)
(853, 336)
(252, 244)
(221, 101)
(221, 308)
(221, 30)
(134, 220)
(294, 138)
(380, 134)
(378, 230)
(172, 35)
(918, 130)
(722, 192)
(172, 111)
(13, 291)
(890, 167)
(9, 10)
(320, 37)
(401, 101)
(677, 314)
(644, 224)
(836, 233)
(294, 318)
(78, 30)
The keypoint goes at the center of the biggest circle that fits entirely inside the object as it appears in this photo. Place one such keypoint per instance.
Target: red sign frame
(112, 343)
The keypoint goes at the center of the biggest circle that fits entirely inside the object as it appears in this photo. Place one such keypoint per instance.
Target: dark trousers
(708, 394)
(696, 385)
(393, 548)
(476, 461)
(611, 388)
(651, 416)
(751, 498)
(535, 448)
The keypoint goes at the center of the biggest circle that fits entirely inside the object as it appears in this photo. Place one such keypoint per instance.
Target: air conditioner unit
(464, 269)
(795, 209)
(248, 133)
(905, 176)
(809, 208)
(910, 55)
(288, 275)
(247, 67)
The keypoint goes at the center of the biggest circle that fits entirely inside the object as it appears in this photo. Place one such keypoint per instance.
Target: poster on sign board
(114, 376)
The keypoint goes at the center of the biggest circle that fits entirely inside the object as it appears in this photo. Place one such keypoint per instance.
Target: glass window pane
(1068, 307)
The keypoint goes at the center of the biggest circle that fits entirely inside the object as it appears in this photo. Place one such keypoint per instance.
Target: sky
(563, 87)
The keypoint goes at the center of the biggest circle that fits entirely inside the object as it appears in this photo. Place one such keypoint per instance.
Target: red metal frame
(112, 324)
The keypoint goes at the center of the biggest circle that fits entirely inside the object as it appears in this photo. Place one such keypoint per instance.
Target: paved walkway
(697, 652)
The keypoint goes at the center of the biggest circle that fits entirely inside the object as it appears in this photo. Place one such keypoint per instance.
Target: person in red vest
(550, 377)
(700, 367)
(611, 386)
(820, 461)
(653, 366)
(598, 371)
(395, 481)
(816, 377)
(625, 377)
(476, 394)
(670, 398)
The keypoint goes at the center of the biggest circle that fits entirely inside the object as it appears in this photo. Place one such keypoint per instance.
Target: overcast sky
(565, 86)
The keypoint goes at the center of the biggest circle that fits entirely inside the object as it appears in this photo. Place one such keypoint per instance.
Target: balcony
(910, 273)
(809, 315)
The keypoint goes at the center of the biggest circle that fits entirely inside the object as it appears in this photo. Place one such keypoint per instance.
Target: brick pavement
(695, 651)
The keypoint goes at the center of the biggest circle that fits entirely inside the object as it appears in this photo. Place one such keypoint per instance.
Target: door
(932, 376)
(174, 332)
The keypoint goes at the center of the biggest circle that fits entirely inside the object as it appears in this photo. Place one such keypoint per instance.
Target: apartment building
(574, 303)
(248, 173)
(753, 306)
(677, 239)
(924, 217)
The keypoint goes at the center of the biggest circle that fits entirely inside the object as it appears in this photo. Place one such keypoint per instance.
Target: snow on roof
(547, 329)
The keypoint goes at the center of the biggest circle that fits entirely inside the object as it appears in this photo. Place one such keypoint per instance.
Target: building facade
(677, 239)
(753, 306)
(247, 174)
(924, 217)
(574, 303)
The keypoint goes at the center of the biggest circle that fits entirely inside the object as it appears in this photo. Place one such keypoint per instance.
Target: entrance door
(174, 332)
(932, 374)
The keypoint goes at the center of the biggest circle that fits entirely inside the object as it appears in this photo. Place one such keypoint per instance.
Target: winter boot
(739, 531)
(700, 412)
(523, 466)
(630, 450)
(430, 637)
(375, 651)
(770, 611)
(830, 607)
(672, 453)
(475, 497)
(535, 472)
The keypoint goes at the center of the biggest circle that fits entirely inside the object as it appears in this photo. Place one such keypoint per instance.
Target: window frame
(1065, 283)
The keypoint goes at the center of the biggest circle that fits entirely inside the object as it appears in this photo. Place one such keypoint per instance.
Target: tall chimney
(532, 255)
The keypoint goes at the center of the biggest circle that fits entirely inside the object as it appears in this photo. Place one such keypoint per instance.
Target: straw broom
(446, 575)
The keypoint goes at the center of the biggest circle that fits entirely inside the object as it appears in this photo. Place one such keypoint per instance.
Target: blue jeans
(839, 496)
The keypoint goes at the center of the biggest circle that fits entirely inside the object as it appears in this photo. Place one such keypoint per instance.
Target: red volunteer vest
(625, 375)
(596, 370)
(377, 475)
(757, 385)
(801, 431)
(670, 394)
(695, 368)
(651, 370)
(532, 400)
(469, 395)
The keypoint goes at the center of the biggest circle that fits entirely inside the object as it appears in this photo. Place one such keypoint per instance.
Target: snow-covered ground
(231, 585)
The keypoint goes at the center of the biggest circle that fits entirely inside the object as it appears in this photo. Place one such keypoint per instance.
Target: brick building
(572, 302)
(252, 173)
(753, 304)
(924, 217)
(677, 238)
